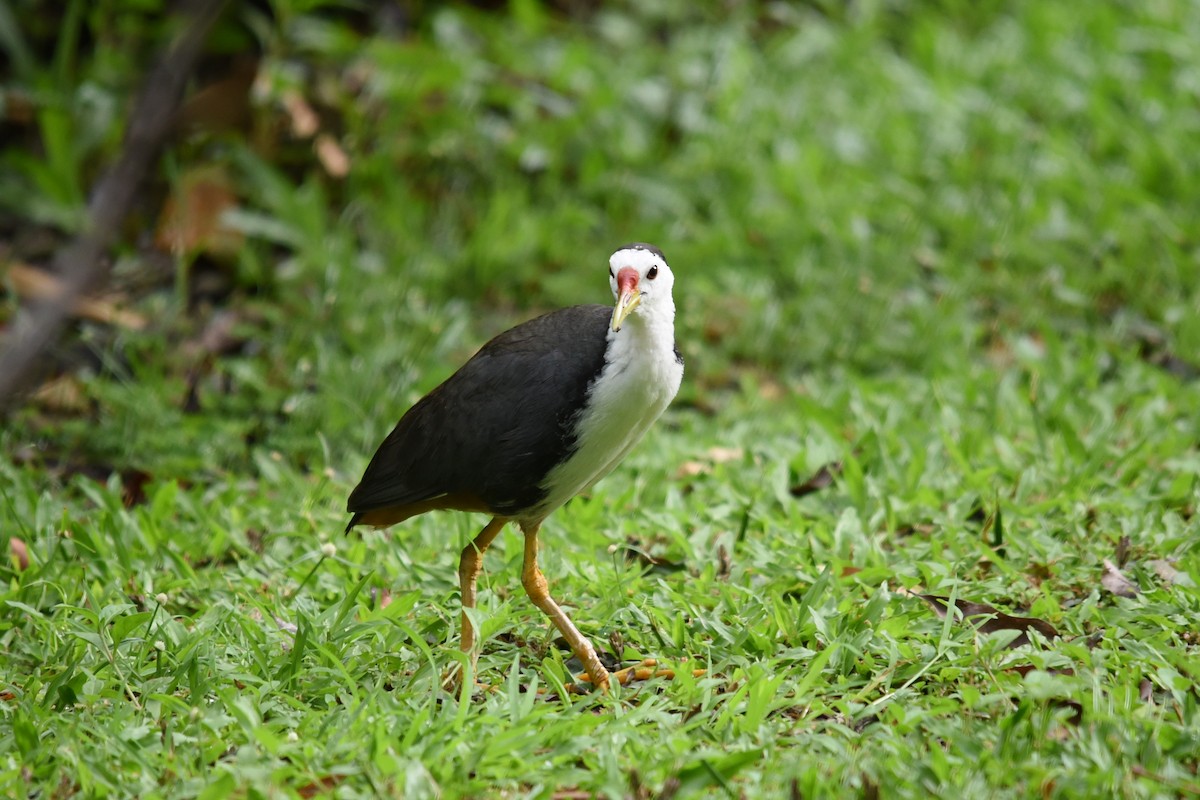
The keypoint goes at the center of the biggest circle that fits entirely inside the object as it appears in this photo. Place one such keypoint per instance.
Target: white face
(654, 277)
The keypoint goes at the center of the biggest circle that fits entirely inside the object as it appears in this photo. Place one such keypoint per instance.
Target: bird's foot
(644, 671)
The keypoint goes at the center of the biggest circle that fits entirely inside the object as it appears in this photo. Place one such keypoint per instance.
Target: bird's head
(641, 281)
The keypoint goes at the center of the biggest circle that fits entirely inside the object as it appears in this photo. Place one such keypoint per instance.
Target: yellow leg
(469, 565)
(535, 586)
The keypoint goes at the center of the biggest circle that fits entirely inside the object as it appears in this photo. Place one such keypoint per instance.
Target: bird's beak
(628, 296)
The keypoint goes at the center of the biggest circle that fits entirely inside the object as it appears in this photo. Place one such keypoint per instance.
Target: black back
(496, 427)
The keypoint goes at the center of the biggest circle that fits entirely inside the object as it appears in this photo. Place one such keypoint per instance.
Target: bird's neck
(649, 331)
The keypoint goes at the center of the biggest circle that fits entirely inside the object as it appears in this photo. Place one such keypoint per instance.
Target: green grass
(951, 245)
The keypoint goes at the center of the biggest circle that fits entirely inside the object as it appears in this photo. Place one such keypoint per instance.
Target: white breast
(640, 378)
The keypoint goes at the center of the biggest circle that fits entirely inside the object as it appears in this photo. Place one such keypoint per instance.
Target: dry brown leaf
(62, 395)
(1165, 570)
(192, 218)
(690, 469)
(636, 553)
(218, 337)
(993, 619)
(223, 105)
(1115, 581)
(770, 389)
(20, 553)
(324, 785)
(17, 107)
(305, 122)
(720, 455)
(332, 157)
(1038, 573)
(912, 528)
(715, 455)
(1025, 669)
(133, 486)
(820, 479)
(36, 284)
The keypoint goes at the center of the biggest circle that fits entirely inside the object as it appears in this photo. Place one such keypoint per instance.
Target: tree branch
(81, 264)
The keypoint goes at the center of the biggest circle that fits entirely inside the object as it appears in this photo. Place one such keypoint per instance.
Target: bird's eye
(653, 273)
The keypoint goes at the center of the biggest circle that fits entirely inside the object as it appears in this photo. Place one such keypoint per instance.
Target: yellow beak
(628, 296)
(626, 303)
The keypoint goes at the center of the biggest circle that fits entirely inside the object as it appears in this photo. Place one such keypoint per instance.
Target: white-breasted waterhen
(538, 415)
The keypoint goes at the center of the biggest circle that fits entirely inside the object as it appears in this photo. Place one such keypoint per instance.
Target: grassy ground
(950, 246)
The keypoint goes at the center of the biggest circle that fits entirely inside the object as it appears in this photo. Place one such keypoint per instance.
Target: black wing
(496, 427)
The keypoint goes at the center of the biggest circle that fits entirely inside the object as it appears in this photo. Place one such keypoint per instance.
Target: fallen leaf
(715, 455)
(305, 121)
(1025, 669)
(1115, 581)
(721, 455)
(332, 157)
(193, 216)
(62, 395)
(911, 528)
(20, 553)
(223, 105)
(993, 620)
(1039, 573)
(1166, 571)
(1153, 349)
(133, 486)
(19, 108)
(770, 389)
(1146, 691)
(285, 626)
(820, 479)
(37, 284)
(635, 552)
(217, 338)
(254, 539)
(320, 786)
(690, 469)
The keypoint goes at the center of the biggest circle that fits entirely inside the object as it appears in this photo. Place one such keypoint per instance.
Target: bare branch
(82, 265)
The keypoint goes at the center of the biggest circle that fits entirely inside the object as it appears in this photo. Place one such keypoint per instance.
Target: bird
(538, 415)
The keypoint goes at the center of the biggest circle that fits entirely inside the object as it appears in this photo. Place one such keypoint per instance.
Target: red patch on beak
(627, 281)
